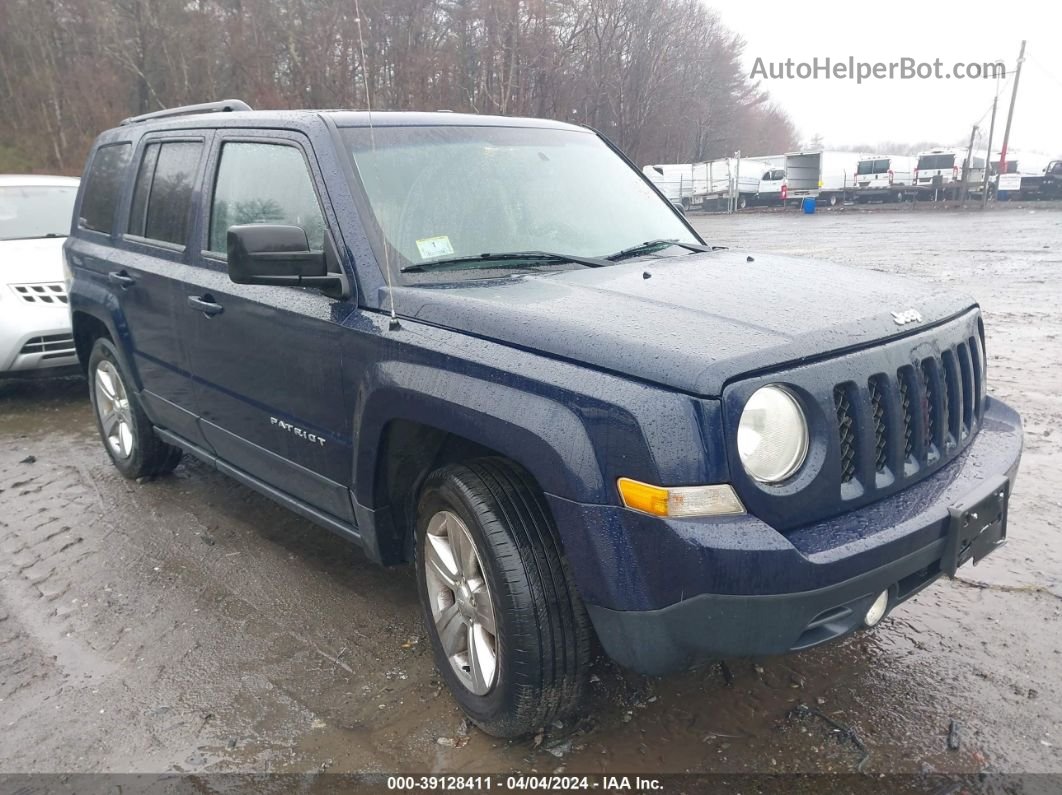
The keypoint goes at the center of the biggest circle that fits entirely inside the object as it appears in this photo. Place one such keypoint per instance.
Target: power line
(1045, 70)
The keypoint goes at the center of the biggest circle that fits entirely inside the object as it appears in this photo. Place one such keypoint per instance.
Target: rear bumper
(671, 594)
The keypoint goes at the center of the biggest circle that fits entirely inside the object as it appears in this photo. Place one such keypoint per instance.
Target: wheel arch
(404, 435)
(87, 328)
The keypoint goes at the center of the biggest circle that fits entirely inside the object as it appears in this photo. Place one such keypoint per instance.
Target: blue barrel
(808, 205)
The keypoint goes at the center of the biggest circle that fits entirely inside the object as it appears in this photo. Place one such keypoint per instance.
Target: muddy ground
(189, 624)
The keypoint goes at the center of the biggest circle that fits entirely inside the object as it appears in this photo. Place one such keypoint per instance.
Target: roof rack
(223, 106)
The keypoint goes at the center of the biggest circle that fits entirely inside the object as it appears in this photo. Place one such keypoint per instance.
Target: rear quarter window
(103, 186)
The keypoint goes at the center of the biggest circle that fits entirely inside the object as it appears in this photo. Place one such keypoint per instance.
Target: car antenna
(394, 324)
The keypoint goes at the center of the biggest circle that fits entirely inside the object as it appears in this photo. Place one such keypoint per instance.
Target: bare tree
(662, 78)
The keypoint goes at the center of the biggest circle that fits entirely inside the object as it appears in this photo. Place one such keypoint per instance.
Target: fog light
(877, 610)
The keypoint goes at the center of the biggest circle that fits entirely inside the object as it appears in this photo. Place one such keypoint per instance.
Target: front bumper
(34, 338)
(666, 595)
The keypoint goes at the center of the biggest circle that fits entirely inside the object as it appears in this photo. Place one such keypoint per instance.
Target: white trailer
(674, 180)
(825, 175)
(884, 178)
(746, 180)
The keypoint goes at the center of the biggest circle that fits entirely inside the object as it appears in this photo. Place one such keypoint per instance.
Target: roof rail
(223, 106)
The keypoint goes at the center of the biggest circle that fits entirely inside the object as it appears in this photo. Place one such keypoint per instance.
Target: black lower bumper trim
(718, 626)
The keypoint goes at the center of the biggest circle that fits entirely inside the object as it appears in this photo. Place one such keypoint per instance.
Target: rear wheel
(510, 636)
(127, 433)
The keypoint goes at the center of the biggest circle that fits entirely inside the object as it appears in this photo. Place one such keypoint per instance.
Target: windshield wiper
(544, 257)
(649, 246)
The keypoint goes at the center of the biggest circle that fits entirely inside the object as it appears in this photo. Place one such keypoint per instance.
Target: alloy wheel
(112, 408)
(461, 602)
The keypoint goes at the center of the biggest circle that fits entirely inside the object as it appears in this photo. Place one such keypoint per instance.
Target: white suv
(35, 334)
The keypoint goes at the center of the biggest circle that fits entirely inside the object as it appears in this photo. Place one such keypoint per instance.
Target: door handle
(205, 304)
(121, 278)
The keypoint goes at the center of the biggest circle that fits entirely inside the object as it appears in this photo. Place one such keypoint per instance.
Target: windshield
(452, 191)
(28, 211)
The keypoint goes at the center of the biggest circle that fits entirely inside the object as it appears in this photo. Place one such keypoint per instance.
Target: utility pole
(967, 167)
(988, 157)
(1010, 113)
(737, 180)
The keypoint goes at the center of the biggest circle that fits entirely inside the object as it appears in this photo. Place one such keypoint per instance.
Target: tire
(831, 200)
(742, 202)
(541, 639)
(127, 434)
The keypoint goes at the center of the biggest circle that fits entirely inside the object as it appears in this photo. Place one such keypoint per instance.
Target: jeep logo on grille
(907, 316)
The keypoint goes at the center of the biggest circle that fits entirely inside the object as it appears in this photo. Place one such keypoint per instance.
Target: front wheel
(510, 636)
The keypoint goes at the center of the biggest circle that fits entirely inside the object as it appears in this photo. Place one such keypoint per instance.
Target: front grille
(895, 424)
(43, 293)
(53, 346)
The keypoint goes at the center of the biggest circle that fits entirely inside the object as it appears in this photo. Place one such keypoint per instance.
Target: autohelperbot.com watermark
(851, 68)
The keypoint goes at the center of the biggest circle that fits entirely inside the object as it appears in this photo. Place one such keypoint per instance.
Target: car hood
(31, 261)
(690, 322)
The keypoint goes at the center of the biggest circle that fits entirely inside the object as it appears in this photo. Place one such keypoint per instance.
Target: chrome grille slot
(962, 353)
(932, 439)
(846, 430)
(877, 387)
(978, 373)
(907, 411)
(952, 414)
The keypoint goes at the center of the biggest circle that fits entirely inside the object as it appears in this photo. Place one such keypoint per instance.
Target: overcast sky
(943, 110)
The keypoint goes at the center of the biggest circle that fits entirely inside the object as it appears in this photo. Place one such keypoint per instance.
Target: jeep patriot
(490, 348)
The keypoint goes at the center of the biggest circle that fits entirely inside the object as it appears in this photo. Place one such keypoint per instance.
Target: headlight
(772, 437)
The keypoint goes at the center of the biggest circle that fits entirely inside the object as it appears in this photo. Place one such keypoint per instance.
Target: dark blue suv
(488, 346)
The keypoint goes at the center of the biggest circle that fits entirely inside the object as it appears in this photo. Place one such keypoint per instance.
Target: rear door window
(931, 162)
(264, 183)
(162, 198)
(103, 187)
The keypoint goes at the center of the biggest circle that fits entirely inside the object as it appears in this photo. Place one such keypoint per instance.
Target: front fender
(544, 436)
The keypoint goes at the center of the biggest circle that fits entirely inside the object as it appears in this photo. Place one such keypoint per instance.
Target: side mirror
(269, 251)
(280, 255)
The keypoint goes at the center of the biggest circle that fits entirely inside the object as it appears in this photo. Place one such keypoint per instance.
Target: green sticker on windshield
(431, 247)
